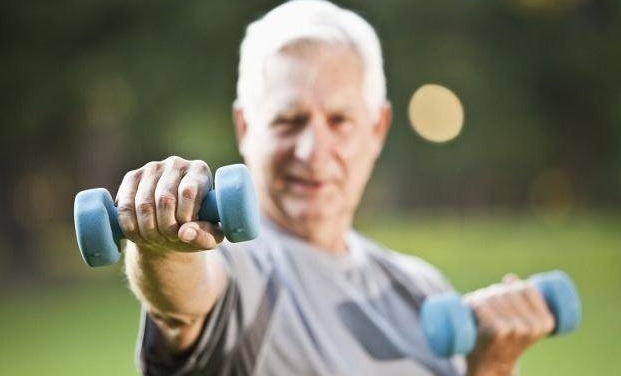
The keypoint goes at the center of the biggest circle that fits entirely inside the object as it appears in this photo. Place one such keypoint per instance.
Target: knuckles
(189, 192)
(201, 166)
(166, 200)
(175, 163)
(132, 175)
(152, 167)
(174, 160)
(126, 208)
(174, 183)
(501, 331)
(144, 206)
(501, 321)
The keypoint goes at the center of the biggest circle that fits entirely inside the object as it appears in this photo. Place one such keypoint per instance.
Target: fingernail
(188, 235)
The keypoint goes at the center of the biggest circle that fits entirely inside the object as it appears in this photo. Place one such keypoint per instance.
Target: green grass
(90, 328)
(87, 329)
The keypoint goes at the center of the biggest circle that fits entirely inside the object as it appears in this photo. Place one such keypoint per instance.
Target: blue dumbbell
(450, 324)
(232, 202)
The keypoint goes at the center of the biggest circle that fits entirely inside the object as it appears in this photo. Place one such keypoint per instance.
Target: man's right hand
(158, 207)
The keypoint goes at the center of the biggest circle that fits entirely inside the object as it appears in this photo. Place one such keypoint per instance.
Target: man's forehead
(296, 98)
(334, 71)
(302, 59)
(337, 103)
(307, 45)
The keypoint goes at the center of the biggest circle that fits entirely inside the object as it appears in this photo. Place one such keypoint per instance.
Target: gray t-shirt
(292, 309)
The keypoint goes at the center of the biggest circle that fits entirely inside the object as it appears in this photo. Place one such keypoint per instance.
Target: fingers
(201, 235)
(126, 206)
(512, 306)
(511, 316)
(155, 201)
(495, 323)
(520, 325)
(166, 197)
(529, 305)
(539, 308)
(145, 203)
(191, 191)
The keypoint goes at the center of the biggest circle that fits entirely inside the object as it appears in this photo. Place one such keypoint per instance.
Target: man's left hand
(511, 317)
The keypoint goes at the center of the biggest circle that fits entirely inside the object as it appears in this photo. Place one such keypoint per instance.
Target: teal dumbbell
(449, 323)
(232, 203)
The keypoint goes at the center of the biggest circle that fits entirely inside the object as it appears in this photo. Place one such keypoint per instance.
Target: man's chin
(311, 213)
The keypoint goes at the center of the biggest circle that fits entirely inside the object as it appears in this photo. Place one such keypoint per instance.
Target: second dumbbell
(450, 324)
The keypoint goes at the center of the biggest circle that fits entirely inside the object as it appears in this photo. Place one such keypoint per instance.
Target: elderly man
(310, 296)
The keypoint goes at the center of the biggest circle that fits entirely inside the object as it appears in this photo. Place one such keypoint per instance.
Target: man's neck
(327, 235)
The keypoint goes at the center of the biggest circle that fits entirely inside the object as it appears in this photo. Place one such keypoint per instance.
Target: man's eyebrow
(343, 109)
(290, 106)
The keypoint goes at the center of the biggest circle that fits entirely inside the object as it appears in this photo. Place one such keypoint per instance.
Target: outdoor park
(529, 179)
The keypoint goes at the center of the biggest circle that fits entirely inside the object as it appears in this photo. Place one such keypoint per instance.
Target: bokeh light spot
(436, 113)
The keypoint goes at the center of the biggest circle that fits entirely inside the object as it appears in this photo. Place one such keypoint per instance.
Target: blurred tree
(93, 89)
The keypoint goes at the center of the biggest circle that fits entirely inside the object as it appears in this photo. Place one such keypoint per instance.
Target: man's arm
(177, 289)
(167, 270)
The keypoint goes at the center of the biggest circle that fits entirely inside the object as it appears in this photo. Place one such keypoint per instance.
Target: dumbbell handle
(91, 202)
(449, 323)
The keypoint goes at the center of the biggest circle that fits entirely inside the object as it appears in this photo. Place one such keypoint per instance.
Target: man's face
(312, 140)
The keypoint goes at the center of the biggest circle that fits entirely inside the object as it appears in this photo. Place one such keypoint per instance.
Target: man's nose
(313, 143)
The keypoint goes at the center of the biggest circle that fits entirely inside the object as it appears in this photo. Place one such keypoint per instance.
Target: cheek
(356, 152)
(279, 153)
(270, 156)
(357, 157)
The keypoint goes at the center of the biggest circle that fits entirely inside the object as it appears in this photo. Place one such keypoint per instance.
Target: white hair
(315, 20)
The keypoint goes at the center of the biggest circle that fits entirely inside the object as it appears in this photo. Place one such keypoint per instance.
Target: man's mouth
(306, 185)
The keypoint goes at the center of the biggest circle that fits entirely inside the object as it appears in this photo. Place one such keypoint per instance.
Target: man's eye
(338, 120)
(291, 121)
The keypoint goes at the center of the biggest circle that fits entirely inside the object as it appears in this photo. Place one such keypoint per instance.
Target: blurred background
(530, 182)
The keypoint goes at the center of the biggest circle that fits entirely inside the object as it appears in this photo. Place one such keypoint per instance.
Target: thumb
(202, 235)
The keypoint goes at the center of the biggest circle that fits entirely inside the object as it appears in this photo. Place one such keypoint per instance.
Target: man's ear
(382, 125)
(241, 128)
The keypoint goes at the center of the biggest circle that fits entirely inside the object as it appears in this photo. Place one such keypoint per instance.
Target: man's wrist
(146, 254)
(152, 251)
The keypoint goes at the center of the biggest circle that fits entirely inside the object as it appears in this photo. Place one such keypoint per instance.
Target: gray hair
(315, 20)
